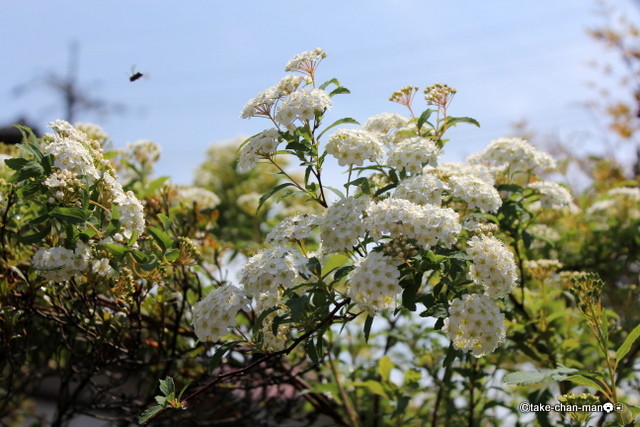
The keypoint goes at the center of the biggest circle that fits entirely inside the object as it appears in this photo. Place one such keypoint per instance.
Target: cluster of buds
(404, 96)
(188, 252)
(400, 248)
(439, 95)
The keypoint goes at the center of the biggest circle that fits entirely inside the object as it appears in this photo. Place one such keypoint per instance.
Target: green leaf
(339, 90)
(454, 121)
(412, 376)
(154, 185)
(149, 413)
(335, 191)
(524, 378)
(271, 192)
(167, 386)
(31, 169)
(75, 216)
(220, 352)
(625, 347)
(16, 163)
(374, 387)
(35, 237)
(297, 306)
(324, 85)
(582, 380)
(172, 255)
(367, 327)
(311, 351)
(451, 355)
(342, 121)
(165, 220)
(116, 250)
(424, 117)
(385, 364)
(402, 405)
(161, 237)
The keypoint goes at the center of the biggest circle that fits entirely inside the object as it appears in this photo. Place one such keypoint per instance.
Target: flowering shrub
(430, 278)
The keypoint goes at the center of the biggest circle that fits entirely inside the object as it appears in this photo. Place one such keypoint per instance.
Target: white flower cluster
(72, 155)
(412, 154)
(514, 155)
(306, 61)
(261, 105)
(448, 169)
(494, 265)
(353, 146)
(385, 124)
(213, 315)
(622, 203)
(475, 192)
(552, 195)
(302, 105)
(343, 224)
(293, 229)
(60, 264)
(374, 283)
(421, 189)
(271, 269)
(258, 147)
(630, 193)
(130, 207)
(63, 182)
(200, 197)
(428, 225)
(475, 324)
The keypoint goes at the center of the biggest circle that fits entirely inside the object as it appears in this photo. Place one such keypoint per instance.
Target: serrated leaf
(625, 347)
(149, 413)
(524, 378)
(385, 364)
(167, 386)
(16, 163)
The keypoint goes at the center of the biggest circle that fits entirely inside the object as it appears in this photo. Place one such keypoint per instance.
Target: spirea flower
(306, 62)
(262, 104)
(72, 155)
(475, 324)
(131, 214)
(448, 169)
(354, 146)
(494, 265)
(272, 268)
(60, 264)
(293, 228)
(343, 224)
(216, 312)
(421, 189)
(413, 154)
(552, 195)
(374, 282)
(385, 124)
(475, 192)
(302, 105)
(429, 225)
(258, 147)
(515, 155)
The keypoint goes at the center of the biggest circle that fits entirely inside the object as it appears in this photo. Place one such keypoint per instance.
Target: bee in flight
(135, 75)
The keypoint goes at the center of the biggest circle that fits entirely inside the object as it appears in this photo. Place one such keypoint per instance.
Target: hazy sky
(203, 60)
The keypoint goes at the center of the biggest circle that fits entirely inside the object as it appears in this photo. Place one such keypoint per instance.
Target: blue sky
(203, 60)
